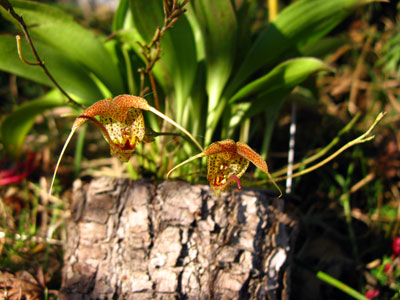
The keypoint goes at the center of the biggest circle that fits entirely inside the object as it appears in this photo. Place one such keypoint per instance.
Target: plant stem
(8, 7)
(324, 150)
(155, 94)
(161, 115)
(151, 51)
(347, 212)
(340, 285)
(361, 139)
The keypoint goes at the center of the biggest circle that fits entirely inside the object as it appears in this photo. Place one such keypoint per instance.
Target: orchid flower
(227, 162)
(121, 122)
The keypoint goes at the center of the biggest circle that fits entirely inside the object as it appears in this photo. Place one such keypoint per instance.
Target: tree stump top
(136, 240)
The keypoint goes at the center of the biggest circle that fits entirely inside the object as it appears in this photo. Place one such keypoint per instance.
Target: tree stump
(137, 240)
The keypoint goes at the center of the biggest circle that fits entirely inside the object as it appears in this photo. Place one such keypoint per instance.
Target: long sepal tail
(185, 162)
(275, 184)
(59, 159)
(161, 115)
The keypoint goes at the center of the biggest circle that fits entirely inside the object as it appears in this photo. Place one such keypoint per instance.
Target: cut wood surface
(137, 240)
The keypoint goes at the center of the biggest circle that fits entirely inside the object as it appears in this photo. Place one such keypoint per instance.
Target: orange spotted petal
(248, 153)
(116, 109)
(224, 169)
(227, 146)
(120, 121)
(227, 162)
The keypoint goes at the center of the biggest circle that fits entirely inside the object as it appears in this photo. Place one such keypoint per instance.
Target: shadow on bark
(137, 240)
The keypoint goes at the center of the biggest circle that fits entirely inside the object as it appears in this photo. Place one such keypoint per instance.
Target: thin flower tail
(185, 162)
(161, 115)
(60, 157)
(79, 121)
(275, 184)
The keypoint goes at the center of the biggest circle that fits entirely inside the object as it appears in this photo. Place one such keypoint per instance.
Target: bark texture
(137, 240)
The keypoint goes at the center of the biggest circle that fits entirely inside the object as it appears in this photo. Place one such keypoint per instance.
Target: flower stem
(340, 285)
(361, 139)
(161, 115)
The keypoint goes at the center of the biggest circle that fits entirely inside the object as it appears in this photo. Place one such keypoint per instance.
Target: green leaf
(268, 93)
(269, 102)
(324, 46)
(120, 15)
(178, 62)
(219, 26)
(70, 75)
(301, 22)
(16, 125)
(57, 29)
(146, 16)
(283, 77)
(219, 29)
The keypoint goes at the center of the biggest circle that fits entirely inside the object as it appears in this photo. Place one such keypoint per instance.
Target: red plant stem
(154, 88)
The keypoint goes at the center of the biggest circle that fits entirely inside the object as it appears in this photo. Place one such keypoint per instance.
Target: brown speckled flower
(227, 162)
(121, 122)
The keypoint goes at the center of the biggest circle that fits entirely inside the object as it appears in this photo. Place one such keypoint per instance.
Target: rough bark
(137, 240)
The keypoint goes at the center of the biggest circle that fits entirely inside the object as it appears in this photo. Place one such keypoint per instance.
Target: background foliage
(222, 70)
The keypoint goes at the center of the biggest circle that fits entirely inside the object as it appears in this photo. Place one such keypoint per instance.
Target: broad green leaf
(301, 22)
(70, 75)
(120, 15)
(219, 28)
(198, 36)
(284, 76)
(324, 46)
(57, 29)
(269, 102)
(16, 125)
(218, 22)
(245, 15)
(198, 107)
(146, 16)
(178, 62)
(268, 92)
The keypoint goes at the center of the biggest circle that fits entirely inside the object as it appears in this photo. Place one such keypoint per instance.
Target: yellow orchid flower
(121, 122)
(227, 162)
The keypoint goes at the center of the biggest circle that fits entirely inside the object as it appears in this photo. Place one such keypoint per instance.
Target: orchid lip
(126, 146)
(219, 181)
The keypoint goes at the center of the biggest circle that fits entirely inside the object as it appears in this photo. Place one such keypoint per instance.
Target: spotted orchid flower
(121, 122)
(227, 162)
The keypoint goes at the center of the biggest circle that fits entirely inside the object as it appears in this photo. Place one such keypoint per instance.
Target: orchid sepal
(227, 162)
(121, 122)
